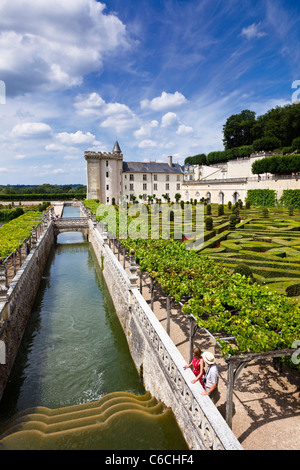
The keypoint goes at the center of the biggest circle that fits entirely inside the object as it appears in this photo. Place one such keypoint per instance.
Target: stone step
(88, 426)
(49, 420)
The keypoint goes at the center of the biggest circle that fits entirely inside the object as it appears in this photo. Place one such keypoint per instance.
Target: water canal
(74, 351)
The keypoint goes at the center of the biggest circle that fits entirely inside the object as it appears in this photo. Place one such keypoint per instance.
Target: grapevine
(221, 301)
(14, 232)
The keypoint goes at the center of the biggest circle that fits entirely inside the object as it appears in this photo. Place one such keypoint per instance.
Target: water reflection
(74, 351)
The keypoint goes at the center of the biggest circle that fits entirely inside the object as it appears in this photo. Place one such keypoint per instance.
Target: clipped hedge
(290, 197)
(279, 165)
(41, 197)
(262, 197)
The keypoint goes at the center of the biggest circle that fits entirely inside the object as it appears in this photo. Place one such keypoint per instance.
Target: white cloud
(76, 138)
(165, 101)
(147, 144)
(145, 130)
(31, 129)
(20, 156)
(169, 120)
(118, 115)
(184, 130)
(252, 32)
(52, 45)
(116, 108)
(89, 105)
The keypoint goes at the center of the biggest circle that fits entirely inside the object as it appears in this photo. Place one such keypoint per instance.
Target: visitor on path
(211, 377)
(198, 366)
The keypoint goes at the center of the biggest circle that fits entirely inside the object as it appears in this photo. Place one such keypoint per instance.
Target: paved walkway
(266, 403)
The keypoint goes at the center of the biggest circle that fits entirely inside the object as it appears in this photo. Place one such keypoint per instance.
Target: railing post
(141, 281)
(152, 292)
(33, 237)
(3, 280)
(168, 314)
(133, 268)
(229, 400)
(104, 236)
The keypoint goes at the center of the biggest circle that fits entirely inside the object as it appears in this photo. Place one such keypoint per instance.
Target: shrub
(220, 210)
(266, 143)
(208, 209)
(296, 143)
(265, 212)
(229, 204)
(291, 210)
(248, 204)
(209, 223)
(292, 291)
(244, 270)
(232, 221)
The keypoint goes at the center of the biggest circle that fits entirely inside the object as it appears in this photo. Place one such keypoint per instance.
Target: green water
(74, 351)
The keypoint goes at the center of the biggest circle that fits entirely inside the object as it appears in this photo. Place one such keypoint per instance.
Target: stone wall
(16, 309)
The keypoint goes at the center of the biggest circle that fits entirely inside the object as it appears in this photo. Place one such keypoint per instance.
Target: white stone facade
(108, 177)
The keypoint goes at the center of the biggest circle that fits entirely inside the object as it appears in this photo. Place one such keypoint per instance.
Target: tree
(196, 159)
(237, 130)
(266, 143)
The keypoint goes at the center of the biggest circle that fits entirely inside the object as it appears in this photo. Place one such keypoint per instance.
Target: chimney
(170, 161)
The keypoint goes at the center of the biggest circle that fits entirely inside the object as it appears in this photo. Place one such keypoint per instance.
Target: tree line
(244, 133)
(21, 189)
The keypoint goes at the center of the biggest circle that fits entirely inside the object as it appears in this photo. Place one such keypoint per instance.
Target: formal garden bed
(259, 319)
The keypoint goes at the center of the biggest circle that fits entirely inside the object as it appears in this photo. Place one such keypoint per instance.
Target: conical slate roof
(116, 148)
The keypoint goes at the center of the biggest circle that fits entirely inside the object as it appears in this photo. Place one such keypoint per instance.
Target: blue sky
(161, 77)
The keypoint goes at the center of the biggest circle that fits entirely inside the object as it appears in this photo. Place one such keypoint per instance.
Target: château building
(108, 177)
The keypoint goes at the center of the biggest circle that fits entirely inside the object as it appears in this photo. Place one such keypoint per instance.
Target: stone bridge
(71, 224)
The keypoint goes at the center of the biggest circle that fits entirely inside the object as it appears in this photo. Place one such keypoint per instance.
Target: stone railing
(17, 299)
(157, 357)
(21, 278)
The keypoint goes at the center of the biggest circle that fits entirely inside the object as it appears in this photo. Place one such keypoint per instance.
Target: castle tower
(104, 174)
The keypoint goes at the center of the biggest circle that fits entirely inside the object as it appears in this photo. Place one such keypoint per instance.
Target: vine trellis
(235, 363)
(263, 323)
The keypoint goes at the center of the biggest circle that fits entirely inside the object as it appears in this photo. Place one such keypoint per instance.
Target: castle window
(167, 177)
(106, 162)
(167, 186)
(131, 177)
(144, 177)
(155, 187)
(145, 186)
(131, 187)
(155, 177)
(178, 177)
(178, 186)
(107, 174)
(107, 187)
(107, 199)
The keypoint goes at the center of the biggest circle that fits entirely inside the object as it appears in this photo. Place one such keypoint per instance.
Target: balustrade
(212, 429)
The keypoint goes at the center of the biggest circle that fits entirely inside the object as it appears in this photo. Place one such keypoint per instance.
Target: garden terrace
(269, 246)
